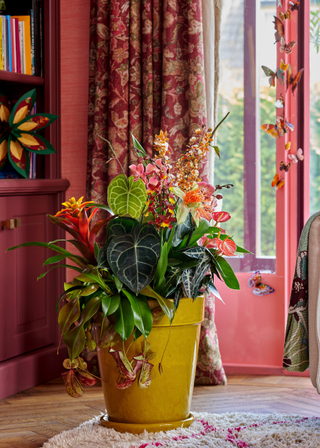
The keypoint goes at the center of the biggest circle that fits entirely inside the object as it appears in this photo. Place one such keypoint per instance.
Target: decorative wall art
(283, 75)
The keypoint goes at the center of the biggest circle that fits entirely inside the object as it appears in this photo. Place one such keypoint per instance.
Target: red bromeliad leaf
(65, 225)
(84, 225)
(95, 229)
(84, 250)
(72, 385)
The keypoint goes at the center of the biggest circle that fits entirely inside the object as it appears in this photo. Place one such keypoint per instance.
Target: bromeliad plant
(163, 242)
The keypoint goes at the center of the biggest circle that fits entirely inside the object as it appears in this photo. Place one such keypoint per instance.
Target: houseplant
(164, 246)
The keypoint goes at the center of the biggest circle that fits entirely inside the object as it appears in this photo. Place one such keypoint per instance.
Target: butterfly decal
(273, 75)
(259, 288)
(279, 104)
(285, 15)
(277, 182)
(296, 157)
(293, 80)
(294, 6)
(278, 130)
(288, 145)
(286, 48)
(284, 167)
(279, 27)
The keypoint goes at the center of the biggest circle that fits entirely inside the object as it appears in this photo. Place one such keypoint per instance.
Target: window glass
(248, 154)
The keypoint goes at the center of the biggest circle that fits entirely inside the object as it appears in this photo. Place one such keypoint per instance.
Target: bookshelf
(28, 328)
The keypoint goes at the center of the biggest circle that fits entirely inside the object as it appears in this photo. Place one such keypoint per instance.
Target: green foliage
(315, 29)
(127, 197)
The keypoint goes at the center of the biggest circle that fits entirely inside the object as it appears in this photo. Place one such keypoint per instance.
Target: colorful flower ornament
(18, 135)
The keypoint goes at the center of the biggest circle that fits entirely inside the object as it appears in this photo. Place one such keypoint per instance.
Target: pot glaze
(167, 400)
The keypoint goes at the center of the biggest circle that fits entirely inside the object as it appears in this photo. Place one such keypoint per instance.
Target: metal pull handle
(11, 223)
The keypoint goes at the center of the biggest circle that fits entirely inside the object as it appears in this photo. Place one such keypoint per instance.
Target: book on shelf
(21, 34)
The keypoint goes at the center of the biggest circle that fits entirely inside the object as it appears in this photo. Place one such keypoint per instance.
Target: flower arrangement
(163, 242)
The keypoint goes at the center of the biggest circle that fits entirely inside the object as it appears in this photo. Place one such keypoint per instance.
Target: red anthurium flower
(220, 216)
(227, 247)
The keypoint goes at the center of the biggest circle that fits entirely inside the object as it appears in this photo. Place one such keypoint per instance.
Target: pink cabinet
(28, 321)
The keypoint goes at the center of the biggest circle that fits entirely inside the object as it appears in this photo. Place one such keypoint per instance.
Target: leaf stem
(114, 154)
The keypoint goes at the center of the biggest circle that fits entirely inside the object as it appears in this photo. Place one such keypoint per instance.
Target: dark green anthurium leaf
(127, 197)
(142, 314)
(120, 226)
(69, 314)
(110, 304)
(133, 257)
(182, 230)
(167, 306)
(227, 273)
(124, 319)
(139, 149)
(188, 282)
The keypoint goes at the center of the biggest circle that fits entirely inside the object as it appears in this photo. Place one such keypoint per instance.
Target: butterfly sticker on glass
(279, 27)
(278, 130)
(277, 182)
(273, 75)
(279, 104)
(259, 288)
(293, 80)
(286, 48)
(287, 15)
(284, 167)
(296, 157)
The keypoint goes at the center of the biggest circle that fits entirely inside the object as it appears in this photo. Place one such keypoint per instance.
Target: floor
(30, 418)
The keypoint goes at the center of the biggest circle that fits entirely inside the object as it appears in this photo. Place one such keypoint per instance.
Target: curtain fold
(149, 63)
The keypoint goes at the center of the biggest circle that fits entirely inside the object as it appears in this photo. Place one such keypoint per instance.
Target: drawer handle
(11, 223)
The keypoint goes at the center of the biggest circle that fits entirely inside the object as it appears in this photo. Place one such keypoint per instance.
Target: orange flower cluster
(188, 165)
(161, 146)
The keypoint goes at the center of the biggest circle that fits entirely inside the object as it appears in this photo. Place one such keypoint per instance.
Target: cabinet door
(27, 306)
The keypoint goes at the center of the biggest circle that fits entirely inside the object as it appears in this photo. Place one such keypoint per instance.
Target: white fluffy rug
(239, 430)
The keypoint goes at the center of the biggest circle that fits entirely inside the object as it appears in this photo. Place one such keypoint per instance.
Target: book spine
(1, 46)
(17, 46)
(36, 36)
(9, 43)
(21, 43)
(4, 43)
(41, 36)
(32, 41)
(13, 45)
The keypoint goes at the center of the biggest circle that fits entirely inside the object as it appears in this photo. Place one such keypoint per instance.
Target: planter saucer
(138, 428)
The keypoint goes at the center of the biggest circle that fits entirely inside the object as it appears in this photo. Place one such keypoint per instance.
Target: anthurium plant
(164, 241)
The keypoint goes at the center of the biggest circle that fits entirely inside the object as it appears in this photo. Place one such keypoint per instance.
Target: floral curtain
(146, 74)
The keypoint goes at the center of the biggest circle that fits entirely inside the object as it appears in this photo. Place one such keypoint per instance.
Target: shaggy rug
(239, 430)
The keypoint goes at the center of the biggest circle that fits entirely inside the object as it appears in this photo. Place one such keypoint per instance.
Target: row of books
(21, 49)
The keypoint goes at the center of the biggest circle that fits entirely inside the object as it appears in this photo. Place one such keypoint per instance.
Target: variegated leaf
(197, 252)
(127, 197)
(188, 282)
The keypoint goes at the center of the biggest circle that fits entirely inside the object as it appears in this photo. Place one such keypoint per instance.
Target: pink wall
(74, 71)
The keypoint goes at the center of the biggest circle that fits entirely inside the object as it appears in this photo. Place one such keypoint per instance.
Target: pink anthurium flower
(204, 241)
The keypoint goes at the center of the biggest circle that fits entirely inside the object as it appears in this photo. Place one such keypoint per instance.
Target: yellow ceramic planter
(165, 404)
